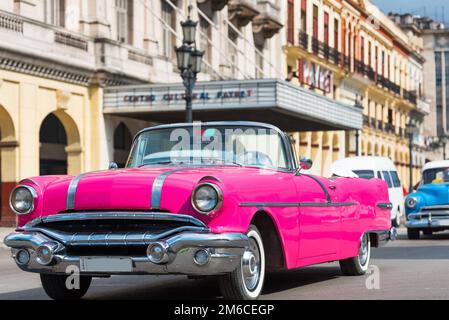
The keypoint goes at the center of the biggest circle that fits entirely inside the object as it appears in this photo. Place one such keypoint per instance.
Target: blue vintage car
(427, 209)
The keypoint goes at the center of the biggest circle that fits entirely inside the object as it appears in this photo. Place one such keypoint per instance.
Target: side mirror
(113, 166)
(305, 163)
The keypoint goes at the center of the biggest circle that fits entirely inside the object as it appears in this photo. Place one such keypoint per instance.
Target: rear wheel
(413, 234)
(246, 282)
(396, 222)
(358, 266)
(56, 287)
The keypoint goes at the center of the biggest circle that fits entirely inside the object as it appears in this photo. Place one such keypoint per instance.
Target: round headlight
(206, 198)
(411, 202)
(22, 200)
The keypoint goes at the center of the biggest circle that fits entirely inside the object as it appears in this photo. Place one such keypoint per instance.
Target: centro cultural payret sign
(175, 97)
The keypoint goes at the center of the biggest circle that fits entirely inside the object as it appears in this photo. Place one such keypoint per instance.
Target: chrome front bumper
(224, 253)
(123, 243)
(438, 219)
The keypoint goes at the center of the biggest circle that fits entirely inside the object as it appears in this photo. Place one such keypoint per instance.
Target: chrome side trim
(298, 204)
(388, 205)
(328, 197)
(71, 193)
(116, 215)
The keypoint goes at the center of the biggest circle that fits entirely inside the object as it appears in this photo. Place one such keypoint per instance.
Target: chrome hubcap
(364, 250)
(251, 266)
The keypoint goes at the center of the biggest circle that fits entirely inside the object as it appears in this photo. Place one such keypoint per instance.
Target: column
(94, 20)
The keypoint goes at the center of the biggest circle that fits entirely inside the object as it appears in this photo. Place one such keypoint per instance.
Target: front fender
(421, 200)
(41, 184)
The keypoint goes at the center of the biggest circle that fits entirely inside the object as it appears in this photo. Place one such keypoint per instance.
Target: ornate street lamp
(189, 60)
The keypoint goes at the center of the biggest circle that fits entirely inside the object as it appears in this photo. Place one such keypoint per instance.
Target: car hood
(434, 194)
(163, 188)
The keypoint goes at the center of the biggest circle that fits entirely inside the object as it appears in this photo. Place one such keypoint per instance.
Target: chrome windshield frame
(290, 159)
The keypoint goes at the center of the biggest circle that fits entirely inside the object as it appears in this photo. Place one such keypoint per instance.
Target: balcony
(424, 106)
(390, 128)
(268, 22)
(410, 96)
(366, 121)
(320, 49)
(39, 49)
(241, 12)
(380, 125)
(216, 5)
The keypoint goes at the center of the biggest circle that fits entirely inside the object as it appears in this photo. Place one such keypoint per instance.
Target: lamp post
(189, 60)
(411, 128)
(443, 140)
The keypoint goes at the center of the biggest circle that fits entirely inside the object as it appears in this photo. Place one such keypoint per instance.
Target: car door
(397, 193)
(319, 220)
(387, 178)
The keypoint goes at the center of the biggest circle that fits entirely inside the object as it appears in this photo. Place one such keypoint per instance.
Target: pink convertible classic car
(224, 199)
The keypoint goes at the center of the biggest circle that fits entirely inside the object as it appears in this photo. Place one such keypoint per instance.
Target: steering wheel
(255, 158)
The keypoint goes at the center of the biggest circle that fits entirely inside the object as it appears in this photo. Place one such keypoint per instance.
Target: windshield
(437, 175)
(210, 145)
(365, 174)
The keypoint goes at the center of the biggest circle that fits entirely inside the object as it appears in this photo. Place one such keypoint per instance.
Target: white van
(376, 167)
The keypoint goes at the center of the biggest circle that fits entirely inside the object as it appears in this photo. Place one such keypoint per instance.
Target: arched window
(53, 143)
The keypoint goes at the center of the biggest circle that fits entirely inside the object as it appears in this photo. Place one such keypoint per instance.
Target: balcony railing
(410, 96)
(332, 55)
(217, 5)
(303, 39)
(380, 125)
(389, 127)
(366, 120)
(321, 49)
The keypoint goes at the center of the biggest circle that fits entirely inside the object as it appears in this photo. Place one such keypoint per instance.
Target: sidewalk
(3, 233)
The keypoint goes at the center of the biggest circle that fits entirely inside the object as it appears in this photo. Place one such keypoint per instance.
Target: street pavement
(406, 270)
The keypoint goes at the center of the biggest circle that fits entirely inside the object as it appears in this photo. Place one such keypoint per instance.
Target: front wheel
(358, 266)
(246, 282)
(57, 288)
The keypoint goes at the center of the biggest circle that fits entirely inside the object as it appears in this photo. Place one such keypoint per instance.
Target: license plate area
(105, 264)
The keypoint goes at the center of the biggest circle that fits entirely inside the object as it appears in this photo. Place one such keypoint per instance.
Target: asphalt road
(406, 270)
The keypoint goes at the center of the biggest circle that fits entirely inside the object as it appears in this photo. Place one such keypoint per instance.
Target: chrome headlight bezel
(33, 193)
(219, 196)
(411, 202)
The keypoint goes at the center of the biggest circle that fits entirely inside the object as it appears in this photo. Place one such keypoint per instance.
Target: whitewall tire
(246, 282)
(359, 265)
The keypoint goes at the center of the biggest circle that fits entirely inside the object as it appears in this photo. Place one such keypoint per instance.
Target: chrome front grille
(432, 212)
(114, 229)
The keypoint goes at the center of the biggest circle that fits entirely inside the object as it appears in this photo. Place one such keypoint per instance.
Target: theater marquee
(273, 101)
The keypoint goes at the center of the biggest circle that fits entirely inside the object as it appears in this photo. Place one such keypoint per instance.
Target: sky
(436, 9)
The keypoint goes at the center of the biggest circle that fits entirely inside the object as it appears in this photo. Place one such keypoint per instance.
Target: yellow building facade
(25, 102)
(351, 52)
